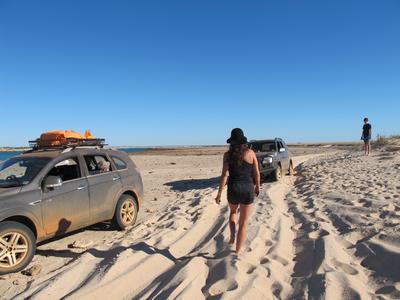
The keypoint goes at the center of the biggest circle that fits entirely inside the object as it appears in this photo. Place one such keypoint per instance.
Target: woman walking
(240, 171)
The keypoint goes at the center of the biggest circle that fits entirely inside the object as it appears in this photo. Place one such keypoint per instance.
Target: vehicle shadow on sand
(193, 184)
(108, 258)
(110, 255)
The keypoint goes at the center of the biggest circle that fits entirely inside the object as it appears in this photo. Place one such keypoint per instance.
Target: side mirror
(52, 182)
(282, 150)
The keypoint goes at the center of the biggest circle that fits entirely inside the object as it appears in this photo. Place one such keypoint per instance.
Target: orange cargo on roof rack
(66, 138)
(57, 138)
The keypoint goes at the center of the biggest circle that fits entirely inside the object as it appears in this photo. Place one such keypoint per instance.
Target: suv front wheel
(291, 169)
(278, 173)
(17, 247)
(125, 212)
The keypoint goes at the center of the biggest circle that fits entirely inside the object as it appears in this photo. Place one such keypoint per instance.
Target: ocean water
(129, 150)
(7, 155)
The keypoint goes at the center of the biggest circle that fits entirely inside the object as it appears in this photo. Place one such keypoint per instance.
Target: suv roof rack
(69, 143)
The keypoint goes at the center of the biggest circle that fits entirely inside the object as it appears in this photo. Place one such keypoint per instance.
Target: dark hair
(365, 119)
(236, 154)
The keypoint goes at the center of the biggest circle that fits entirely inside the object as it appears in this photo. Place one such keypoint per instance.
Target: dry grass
(380, 141)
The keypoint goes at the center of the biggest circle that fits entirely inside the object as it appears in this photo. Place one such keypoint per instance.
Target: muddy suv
(47, 193)
(273, 157)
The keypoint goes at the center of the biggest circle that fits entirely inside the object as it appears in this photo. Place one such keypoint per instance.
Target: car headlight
(267, 160)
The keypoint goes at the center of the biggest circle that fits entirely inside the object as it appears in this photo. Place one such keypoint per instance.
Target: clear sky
(187, 72)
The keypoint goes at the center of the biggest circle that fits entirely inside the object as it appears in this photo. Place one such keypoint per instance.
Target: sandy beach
(332, 231)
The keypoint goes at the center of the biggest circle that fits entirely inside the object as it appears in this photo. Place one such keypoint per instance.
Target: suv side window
(67, 169)
(97, 164)
(119, 163)
(280, 145)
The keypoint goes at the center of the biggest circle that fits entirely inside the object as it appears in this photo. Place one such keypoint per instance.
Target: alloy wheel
(127, 212)
(13, 249)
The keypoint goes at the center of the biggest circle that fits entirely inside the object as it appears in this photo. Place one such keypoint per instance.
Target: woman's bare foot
(239, 252)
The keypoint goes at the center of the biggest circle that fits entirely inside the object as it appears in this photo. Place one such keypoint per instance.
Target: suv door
(104, 185)
(66, 208)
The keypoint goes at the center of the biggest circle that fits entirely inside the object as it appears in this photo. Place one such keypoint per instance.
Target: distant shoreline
(188, 147)
(159, 149)
(16, 149)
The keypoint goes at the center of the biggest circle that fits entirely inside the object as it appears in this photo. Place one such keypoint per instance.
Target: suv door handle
(82, 187)
(115, 178)
(35, 202)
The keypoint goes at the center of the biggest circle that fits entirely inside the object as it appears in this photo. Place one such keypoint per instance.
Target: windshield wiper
(12, 182)
(10, 185)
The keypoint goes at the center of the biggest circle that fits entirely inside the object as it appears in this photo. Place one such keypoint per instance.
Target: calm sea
(129, 150)
(7, 155)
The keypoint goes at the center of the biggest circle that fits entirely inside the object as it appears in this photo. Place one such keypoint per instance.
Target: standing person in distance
(366, 136)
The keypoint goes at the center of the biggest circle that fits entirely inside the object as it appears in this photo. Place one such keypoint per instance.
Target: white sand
(330, 232)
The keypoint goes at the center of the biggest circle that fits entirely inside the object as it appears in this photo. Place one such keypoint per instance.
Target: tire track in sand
(182, 253)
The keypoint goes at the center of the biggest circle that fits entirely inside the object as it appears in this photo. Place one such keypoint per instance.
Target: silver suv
(49, 192)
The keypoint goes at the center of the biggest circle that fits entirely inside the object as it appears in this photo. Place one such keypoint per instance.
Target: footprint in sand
(276, 289)
(268, 243)
(222, 286)
(297, 226)
(344, 267)
(264, 260)
(283, 261)
(251, 270)
(317, 234)
(386, 290)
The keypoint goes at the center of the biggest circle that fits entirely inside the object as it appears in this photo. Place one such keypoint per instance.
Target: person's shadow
(63, 226)
(193, 184)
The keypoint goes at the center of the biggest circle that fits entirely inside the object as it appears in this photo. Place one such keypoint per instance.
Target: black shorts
(240, 193)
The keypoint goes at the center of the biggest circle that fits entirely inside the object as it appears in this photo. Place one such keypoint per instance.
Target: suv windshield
(263, 147)
(18, 171)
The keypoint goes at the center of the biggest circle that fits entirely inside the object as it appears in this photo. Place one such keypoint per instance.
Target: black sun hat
(237, 137)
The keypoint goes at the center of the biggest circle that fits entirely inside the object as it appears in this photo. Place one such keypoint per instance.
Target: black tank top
(241, 173)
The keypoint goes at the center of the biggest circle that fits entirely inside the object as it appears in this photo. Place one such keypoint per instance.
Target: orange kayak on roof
(61, 137)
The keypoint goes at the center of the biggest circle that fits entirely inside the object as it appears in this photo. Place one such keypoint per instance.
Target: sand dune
(330, 232)
(347, 208)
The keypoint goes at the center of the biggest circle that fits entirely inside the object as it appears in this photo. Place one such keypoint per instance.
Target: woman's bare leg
(232, 222)
(245, 212)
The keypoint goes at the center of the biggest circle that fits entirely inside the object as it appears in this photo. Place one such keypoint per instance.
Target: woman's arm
(224, 178)
(256, 174)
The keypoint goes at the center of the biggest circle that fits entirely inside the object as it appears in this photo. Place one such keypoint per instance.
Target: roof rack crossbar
(67, 143)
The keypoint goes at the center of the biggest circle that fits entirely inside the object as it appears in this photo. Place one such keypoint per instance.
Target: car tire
(17, 247)
(291, 169)
(278, 173)
(126, 212)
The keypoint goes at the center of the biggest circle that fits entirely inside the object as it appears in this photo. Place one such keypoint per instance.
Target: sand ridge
(330, 232)
(346, 209)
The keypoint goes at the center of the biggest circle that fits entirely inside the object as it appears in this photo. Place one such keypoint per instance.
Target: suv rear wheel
(17, 247)
(125, 213)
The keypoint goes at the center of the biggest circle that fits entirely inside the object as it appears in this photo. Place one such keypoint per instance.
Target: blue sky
(187, 72)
